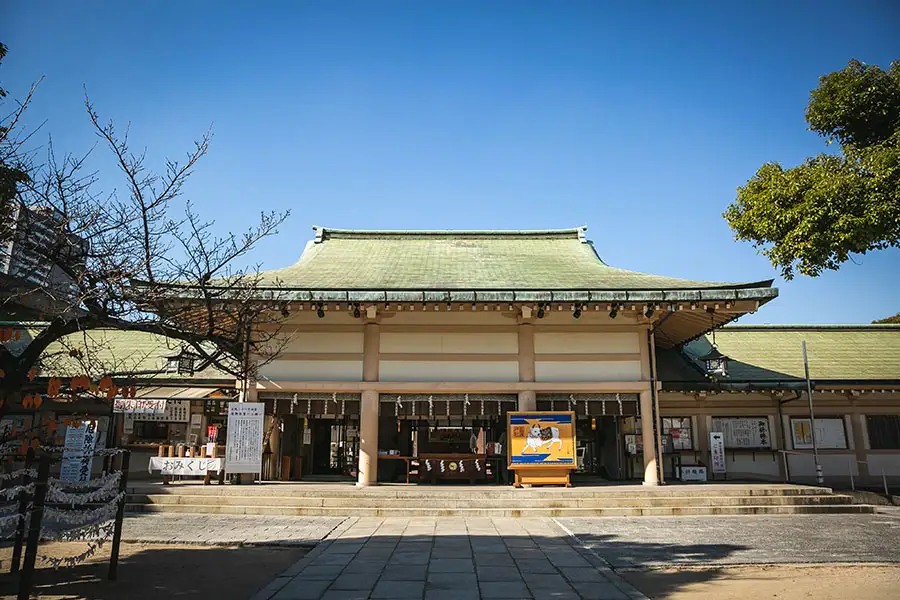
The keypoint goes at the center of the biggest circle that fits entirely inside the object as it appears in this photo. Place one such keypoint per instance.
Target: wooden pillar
(651, 474)
(368, 410)
(860, 442)
(527, 399)
(368, 439)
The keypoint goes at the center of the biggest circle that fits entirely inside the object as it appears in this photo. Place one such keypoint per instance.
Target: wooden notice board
(541, 446)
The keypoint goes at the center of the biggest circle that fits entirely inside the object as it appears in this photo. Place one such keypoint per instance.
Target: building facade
(413, 344)
(402, 352)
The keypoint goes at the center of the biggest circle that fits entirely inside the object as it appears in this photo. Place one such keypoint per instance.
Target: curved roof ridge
(522, 260)
(323, 233)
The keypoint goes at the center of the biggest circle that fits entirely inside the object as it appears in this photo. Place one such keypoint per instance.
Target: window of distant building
(884, 432)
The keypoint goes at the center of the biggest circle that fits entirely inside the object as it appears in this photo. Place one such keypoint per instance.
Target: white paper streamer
(10, 520)
(430, 407)
(55, 494)
(466, 406)
(619, 400)
(92, 484)
(99, 534)
(18, 473)
(11, 493)
(85, 517)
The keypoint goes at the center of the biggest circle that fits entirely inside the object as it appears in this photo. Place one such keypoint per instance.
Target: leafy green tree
(814, 216)
(893, 320)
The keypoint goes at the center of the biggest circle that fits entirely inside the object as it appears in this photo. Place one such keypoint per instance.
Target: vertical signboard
(717, 451)
(78, 453)
(243, 446)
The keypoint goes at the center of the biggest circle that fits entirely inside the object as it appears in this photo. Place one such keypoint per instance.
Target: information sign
(243, 446)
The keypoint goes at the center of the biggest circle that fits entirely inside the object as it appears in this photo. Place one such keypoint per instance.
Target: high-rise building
(40, 252)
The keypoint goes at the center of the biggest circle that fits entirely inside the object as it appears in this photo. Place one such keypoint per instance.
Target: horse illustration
(539, 437)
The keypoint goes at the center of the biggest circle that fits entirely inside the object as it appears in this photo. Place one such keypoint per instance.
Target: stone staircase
(302, 499)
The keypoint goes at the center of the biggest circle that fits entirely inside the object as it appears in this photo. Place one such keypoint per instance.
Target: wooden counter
(448, 467)
(407, 459)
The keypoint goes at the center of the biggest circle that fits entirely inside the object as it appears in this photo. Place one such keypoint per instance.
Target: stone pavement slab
(527, 558)
(227, 529)
(671, 541)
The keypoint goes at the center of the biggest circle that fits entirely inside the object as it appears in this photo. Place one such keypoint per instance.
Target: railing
(850, 460)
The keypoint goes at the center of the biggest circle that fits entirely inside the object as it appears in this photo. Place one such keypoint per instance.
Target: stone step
(522, 501)
(428, 493)
(258, 509)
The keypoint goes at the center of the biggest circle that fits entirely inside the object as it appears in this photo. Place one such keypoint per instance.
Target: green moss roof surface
(466, 260)
(125, 352)
(768, 353)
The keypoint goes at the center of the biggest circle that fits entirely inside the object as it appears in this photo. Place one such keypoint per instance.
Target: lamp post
(820, 479)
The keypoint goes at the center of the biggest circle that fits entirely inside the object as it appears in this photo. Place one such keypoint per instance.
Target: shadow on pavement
(156, 572)
(435, 566)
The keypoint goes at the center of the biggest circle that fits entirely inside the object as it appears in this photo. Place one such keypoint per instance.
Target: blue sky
(637, 119)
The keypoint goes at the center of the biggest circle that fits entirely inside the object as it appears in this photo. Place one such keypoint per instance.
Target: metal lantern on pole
(714, 361)
(183, 362)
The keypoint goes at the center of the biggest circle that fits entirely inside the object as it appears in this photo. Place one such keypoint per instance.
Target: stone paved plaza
(521, 558)
(449, 558)
(227, 529)
(672, 541)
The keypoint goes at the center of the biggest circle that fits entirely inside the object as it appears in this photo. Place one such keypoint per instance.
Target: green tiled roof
(466, 260)
(773, 353)
(126, 352)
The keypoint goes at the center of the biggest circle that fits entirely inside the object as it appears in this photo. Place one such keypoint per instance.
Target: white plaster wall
(586, 343)
(765, 465)
(449, 343)
(587, 370)
(889, 462)
(461, 315)
(397, 370)
(349, 342)
(312, 370)
(804, 465)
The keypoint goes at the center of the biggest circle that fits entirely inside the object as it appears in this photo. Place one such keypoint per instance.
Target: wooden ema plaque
(541, 447)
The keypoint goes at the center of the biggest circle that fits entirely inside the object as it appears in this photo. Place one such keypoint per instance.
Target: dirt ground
(822, 582)
(153, 571)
